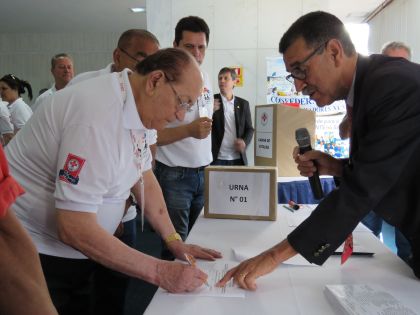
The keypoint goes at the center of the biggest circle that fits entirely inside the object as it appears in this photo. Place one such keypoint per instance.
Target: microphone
(304, 140)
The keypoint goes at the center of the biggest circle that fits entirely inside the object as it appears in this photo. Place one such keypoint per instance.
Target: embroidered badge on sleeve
(72, 168)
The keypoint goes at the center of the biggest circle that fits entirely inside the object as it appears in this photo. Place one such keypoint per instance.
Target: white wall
(242, 33)
(397, 22)
(28, 56)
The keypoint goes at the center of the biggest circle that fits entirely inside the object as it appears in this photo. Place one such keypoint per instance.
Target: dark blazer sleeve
(247, 131)
(218, 128)
(244, 129)
(383, 166)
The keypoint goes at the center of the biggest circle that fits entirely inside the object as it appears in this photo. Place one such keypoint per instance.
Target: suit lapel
(237, 109)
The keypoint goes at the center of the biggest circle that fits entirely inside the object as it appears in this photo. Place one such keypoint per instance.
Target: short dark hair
(317, 28)
(58, 56)
(17, 84)
(171, 61)
(396, 45)
(125, 38)
(193, 24)
(230, 70)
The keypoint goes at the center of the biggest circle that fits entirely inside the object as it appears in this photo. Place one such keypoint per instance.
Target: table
(288, 289)
(299, 190)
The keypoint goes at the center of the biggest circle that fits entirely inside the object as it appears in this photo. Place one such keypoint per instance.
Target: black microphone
(304, 140)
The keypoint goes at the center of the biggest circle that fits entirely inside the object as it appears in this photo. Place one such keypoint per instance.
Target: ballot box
(275, 127)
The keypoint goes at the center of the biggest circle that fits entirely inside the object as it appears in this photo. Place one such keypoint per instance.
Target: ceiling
(62, 16)
(70, 16)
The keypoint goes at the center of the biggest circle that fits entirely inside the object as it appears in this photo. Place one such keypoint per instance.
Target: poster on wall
(239, 75)
(328, 118)
(327, 138)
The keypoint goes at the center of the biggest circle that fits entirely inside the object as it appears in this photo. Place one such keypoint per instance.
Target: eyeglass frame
(301, 74)
(182, 105)
(142, 54)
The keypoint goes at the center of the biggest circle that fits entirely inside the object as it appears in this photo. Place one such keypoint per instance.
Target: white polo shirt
(151, 133)
(20, 113)
(78, 154)
(190, 152)
(6, 125)
(40, 99)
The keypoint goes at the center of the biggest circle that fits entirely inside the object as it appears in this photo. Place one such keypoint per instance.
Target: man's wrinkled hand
(179, 249)
(177, 277)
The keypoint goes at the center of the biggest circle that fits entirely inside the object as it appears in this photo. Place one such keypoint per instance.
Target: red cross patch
(72, 167)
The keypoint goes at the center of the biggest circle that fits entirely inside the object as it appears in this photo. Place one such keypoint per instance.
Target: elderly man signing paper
(78, 158)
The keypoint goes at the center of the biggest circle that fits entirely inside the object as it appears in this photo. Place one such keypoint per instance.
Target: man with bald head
(79, 157)
(133, 46)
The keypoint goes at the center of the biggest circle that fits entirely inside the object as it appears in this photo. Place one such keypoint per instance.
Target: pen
(288, 208)
(191, 261)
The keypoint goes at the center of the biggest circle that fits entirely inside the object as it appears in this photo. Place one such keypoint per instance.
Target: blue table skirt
(300, 191)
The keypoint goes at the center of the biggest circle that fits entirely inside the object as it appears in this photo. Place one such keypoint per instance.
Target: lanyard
(139, 146)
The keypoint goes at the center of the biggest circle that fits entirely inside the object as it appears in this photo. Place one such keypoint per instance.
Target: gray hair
(59, 56)
(396, 45)
(172, 61)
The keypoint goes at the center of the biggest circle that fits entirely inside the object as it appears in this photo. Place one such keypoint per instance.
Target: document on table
(215, 271)
(363, 299)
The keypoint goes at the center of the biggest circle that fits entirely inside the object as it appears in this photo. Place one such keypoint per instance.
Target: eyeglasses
(187, 106)
(142, 54)
(297, 72)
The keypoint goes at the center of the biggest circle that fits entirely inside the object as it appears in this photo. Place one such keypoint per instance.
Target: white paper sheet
(243, 253)
(215, 271)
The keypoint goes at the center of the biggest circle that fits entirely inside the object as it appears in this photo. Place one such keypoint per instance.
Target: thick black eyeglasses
(181, 104)
(297, 72)
(142, 54)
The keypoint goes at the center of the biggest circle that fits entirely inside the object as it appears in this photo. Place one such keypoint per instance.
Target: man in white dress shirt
(133, 46)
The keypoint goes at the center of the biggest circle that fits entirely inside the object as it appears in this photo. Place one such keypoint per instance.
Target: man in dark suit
(383, 168)
(232, 129)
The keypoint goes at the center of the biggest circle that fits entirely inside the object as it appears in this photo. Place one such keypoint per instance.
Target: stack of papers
(358, 299)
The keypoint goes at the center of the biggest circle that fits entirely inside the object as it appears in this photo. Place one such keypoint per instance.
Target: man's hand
(179, 249)
(249, 270)
(177, 277)
(240, 145)
(200, 128)
(325, 163)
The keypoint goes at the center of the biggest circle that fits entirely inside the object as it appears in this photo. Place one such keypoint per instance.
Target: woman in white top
(11, 88)
(6, 127)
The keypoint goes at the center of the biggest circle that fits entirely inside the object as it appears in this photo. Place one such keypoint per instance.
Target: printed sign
(239, 75)
(246, 192)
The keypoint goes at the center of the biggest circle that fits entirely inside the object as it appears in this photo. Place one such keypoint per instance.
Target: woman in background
(6, 126)
(11, 88)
